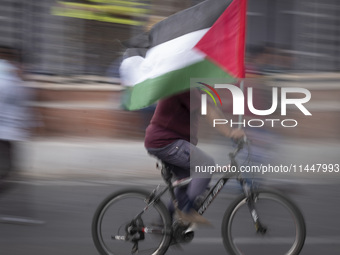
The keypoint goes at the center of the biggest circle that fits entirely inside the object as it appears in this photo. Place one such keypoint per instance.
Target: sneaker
(182, 233)
(192, 217)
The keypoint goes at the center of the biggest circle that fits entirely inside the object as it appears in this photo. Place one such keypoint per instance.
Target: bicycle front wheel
(285, 227)
(117, 231)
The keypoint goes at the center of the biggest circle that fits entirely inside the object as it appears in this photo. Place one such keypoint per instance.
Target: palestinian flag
(205, 41)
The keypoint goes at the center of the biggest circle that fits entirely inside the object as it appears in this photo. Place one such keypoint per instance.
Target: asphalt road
(54, 216)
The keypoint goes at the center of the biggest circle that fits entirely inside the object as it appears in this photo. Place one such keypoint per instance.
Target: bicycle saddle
(167, 174)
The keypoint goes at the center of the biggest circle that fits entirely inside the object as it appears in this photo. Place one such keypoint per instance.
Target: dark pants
(185, 156)
(6, 164)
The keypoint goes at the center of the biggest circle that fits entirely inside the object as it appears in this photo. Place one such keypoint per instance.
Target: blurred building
(307, 31)
(79, 42)
(83, 36)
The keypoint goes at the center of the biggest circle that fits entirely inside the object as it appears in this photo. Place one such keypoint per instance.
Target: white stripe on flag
(161, 59)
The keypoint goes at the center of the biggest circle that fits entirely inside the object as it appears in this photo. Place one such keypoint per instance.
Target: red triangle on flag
(224, 43)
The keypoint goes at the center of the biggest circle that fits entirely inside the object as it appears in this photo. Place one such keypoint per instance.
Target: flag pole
(240, 116)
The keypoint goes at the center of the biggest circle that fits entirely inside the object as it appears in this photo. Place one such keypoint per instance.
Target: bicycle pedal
(188, 236)
(190, 229)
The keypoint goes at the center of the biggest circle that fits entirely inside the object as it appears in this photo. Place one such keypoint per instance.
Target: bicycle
(130, 227)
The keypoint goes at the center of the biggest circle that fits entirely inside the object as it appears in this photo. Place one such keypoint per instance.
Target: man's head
(10, 54)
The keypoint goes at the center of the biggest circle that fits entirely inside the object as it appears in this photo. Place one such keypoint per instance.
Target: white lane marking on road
(84, 183)
(335, 240)
(20, 220)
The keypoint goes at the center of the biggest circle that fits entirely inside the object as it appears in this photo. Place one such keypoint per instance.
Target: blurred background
(72, 51)
(86, 145)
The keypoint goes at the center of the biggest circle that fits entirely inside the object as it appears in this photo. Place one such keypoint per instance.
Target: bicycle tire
(271, 207)
(129, 213)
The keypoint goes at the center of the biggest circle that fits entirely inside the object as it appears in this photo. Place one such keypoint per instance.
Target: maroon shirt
(175, 118)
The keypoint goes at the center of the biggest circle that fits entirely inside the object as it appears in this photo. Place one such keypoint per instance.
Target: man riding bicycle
(172, 137)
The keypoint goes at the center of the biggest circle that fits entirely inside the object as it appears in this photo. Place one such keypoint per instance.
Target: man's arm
(215, 113)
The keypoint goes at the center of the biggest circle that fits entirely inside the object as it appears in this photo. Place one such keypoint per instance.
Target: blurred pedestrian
(16, 119)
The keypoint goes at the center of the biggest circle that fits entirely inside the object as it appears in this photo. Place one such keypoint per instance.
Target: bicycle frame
(205, 203)
(179, 228)
(213, 192)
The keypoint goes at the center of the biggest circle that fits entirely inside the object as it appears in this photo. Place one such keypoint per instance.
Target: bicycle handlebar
(232, 155)
(240, 144)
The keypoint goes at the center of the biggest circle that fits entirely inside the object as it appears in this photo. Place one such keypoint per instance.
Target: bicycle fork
(251, 200)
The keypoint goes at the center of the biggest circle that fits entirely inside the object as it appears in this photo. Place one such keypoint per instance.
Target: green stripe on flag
(149, 91)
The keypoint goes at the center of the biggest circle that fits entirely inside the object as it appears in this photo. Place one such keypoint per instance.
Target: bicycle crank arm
(148, 230)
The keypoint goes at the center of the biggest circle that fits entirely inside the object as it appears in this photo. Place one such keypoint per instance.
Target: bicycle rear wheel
(285, 227)
(115, 228)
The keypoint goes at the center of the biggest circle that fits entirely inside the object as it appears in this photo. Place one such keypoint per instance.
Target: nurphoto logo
(239, 105)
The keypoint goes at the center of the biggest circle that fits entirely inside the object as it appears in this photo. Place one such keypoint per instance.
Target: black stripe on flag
(198, 17)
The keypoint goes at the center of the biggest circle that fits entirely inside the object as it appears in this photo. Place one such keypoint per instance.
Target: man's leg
(5, 158)
(186, 156)
(200, 181)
